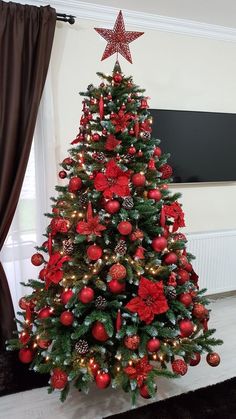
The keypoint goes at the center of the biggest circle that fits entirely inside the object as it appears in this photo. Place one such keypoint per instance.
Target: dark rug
(15, 376)
(213, 402)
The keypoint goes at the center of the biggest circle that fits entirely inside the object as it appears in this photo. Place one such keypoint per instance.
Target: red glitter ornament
(37, 259)
(153, 345)
(124, 228)
(117, 78)
(95, 137)
(58, 379)
(67, 318)
(44, 313)
(199, 311)
(186, 328)
(157, 152)
(159, 243)
(213, 359)
(179, 367)
(166, 171)
(102, 379)
(132, 342)
(138, 180)
(86, 295)
(99, 332)
(62, 174)
(117, 271)
(185, 299)
(182, 276)
(75, 184)
(94, 252)
(196, 358)
(25, 355)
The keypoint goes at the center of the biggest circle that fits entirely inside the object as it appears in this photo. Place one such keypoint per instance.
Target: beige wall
(178, 72)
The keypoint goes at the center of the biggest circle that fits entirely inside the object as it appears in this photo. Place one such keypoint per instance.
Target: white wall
(178, 72)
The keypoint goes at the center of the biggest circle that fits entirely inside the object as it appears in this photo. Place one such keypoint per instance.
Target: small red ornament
(157, 152)
(117, 78)
(68, 161)
(37, 259)
(186, 328)
(164, 187)
(62, 174)
(166, 171)
(94, 252)
(86, 295)
(151, 164)
(185, 299)
(199, 311)
(188, 267)
(124, 228)
(116, 287)
(159, 243)
(179, 367)
(102, 379)
(23, 303)
(136, 235)
(25, 355)
(172, 280)
(139, 253)
(144, 392)
(213, 359)
(56, 211)
(44, 313)
(182, 276)
(112, 206)
(24, 337)
(66, 296)
(138, 179)
(140, 153)
(117, 271)
(144, 104)
(75, 184)
(131, 131)
(132, 342)
(104, 131)
(183, 261)
(43, 343)
(99, 332)
(153, 345)
(67, 318)
(95, 137)
(170, 258)
(154, 194)
(132, 150)
(196, 358)
(58, 379)
(118, 321)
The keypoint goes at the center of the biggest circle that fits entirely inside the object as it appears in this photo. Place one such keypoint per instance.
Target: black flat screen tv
(202, 144)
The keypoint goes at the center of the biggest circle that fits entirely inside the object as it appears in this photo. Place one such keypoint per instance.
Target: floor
(37, 404)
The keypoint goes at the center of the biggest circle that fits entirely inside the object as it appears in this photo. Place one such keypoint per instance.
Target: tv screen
(202, 144)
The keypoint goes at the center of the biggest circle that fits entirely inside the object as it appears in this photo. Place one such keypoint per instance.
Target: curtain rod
(66, 18)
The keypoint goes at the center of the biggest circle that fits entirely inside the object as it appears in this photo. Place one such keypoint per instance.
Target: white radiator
(215, 261)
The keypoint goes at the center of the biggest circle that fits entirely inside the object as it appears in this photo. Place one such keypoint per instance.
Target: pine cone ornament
(83, 199)
(82, 347)
(90, 87)
(100, 303)
(99, 157)
(121, 247)
(128, 202)
(68, 247)
(146, 135)
(129, 157)
(171, 293)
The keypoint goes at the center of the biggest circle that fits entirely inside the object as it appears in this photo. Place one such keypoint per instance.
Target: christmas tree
(117, 300)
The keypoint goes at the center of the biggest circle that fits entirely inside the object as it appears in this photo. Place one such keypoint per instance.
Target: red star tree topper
(118, 39)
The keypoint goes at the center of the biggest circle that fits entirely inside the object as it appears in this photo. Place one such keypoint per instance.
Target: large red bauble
(112, 206)
(179, 367)
(75, 184)
(132, 342)
(24, 337)
(86, 295)
(117, 271)
(154, 194)
(124, 227)
(44, 313)
(94, 252)
(117, 78)
(157, 152)
(182, 276)
(62, 174)
(199, 311)
(138, 179)
(153, 345)
(25, 355)
(144, 392)
(102, 379)
(116, 287)
(66, 296)
(213, 359)
(58, 379)
(44, 343)
(37, 259)
(195, 359)
(159, 244)
(166, 171)
(185, 299)
(170, 258)
(67, 318)
(186, 328)
(99, 332)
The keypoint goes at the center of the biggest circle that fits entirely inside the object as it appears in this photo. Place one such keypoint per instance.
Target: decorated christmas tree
(117, 300)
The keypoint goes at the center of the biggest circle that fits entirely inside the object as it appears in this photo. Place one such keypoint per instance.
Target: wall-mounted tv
(202, 144)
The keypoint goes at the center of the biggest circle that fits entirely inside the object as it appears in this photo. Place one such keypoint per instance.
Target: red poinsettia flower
(59, 225)
(111, 142)
(121, 120)
(175, 211)
(139, 371)
(92, 225)
(151, 300)
(145, 126)
(113, 181)
(54, 272)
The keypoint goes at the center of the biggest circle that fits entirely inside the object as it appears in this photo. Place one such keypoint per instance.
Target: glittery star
(118, 39)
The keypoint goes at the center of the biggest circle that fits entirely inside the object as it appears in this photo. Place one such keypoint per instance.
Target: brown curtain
(26, 37)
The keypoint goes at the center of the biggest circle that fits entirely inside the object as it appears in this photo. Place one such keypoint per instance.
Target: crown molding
(142, 20)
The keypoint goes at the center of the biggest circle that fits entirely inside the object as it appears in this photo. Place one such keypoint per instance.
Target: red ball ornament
(68, 161)
(62, 174)
(132, 342)
(117, 271)
(153, 345)
(24, 337)
(117, 78)
(94, 252)
(44, 343)
(140, 153)
(67, 318)
(56, 211)
(23, 303)
(42, 274)
(75, 184)
(170, 258)
(188, 267)
(116, 287)
(157, 152)
(132, 150)
(159, 243)
(44, 313)
(66, 296)
(94, 367)
(179, 367)
(58, 379)
(112, 206)
(196, 358)
(37, 259)
(199, 311)
(185, 299)
(182, 276)
(124, 228)
(144, 391)
(186, 328)
(138, 179)
(25, 355)
(183, 261)
(154, 194)
(104, 131)
(102, 379)
(86, 295)
(95, 137)
(166, 171)
(99, 332)
(213, 359)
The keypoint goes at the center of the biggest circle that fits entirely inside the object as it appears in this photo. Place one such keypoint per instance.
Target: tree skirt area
(212, 402)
